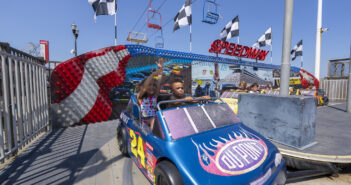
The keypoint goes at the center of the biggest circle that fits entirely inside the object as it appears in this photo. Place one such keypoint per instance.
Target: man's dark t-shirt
(172, 105)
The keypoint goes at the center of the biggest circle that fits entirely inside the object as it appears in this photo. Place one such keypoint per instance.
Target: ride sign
(231, 49)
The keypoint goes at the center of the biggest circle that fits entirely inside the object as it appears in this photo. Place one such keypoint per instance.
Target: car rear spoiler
(184, 100)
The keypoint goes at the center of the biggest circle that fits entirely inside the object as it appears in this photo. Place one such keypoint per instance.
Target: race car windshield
(192, 120)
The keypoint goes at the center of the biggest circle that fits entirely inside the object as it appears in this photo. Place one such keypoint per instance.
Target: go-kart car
(203, 143)
(122, 92)
(322, 97)
(166, 88)
(228, 86)
(136, 77)
(318, 93)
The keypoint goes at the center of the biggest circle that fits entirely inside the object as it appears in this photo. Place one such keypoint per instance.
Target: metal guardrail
(336, 90)
(5, 47)
(23, 100)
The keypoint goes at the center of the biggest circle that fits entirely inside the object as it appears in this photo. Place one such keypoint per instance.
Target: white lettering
(258, 146)
(124, 117)
(241, 153)
(252, 152)
(237, 161)
(228, 162)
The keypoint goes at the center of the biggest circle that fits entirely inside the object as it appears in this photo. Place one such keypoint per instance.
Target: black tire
(166, 173)
(122, 140)
(326, 101)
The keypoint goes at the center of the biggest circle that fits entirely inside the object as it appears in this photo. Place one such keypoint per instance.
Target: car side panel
(143, 149)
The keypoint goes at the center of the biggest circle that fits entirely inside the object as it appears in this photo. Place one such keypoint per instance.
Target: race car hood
(224, 155)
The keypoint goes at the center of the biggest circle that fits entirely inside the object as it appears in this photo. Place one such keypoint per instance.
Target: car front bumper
(279, 176)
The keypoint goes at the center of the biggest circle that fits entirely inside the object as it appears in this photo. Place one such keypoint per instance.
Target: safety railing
(5, 47)
(336, 90)
(23, 100)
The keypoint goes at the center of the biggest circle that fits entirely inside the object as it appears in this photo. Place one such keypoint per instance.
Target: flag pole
(271, 54)
(116, 23)
(190, 38)
(238, 40)
(190, 29)
(271, 45)
(301, 58)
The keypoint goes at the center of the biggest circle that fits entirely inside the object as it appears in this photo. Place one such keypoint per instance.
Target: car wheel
(122, 140)
(167, 173)
(326, 101)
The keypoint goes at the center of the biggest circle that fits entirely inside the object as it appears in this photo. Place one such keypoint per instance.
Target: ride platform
(332, 138)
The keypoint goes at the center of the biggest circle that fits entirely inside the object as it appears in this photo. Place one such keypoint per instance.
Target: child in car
(254, 89)
(148, 91)
(177, 89)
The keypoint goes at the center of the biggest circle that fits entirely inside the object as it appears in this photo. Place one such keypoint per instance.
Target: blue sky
(24, 21)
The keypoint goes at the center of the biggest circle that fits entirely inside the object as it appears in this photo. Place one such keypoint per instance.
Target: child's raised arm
(149, 80)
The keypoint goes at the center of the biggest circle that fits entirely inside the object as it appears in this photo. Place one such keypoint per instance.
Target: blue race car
(122, 92)
(203, 143)
(136, 77)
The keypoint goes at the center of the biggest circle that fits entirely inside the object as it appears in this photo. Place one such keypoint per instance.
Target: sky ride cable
(141, 16)
(144, 25)
(170, 20)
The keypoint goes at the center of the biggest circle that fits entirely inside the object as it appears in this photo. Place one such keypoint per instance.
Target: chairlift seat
(159, 45)
(210, 16)
(159, 42)
(154, 25)
(137, 39)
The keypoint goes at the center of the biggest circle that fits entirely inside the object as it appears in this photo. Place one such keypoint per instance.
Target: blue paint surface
(222, 155)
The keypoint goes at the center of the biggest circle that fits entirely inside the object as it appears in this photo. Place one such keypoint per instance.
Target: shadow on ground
(60, 155)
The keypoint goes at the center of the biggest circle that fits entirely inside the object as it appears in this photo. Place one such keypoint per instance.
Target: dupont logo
(234, 155)
(241, 156)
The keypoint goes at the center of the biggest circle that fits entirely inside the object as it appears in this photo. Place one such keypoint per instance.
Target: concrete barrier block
(288, 120)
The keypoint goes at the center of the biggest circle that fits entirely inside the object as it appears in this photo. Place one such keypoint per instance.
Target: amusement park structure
(87, 79)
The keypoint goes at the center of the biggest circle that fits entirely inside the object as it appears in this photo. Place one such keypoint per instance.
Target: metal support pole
(349, 87)
(317, 62)
(285, 67)
(75, 45)
(190, 47)
(271, 54)
(116, 23)
(271, 46)
(190, 40)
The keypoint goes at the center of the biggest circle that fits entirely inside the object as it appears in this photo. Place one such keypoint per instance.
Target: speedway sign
(231, 49)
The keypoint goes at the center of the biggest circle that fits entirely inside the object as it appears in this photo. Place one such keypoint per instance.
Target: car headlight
(278, 159)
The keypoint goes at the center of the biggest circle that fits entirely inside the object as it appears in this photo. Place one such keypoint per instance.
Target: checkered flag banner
(297, 51)
(183, 17)
(231, 29)
(265, 39)
(103, 7)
